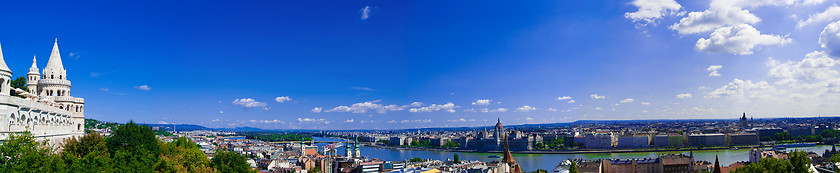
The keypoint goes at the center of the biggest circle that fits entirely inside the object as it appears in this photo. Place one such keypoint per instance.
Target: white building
(47, 111)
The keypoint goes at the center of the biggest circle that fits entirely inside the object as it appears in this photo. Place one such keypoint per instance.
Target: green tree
(800, 162)
(21, 153)
(230, 162)
(134, 147)
(416, 159)
(314, 170)
(20, 83)
(87, 154)
(455, 159)
(573, 167)
(766, 165)
(182, 155)
(835, 158)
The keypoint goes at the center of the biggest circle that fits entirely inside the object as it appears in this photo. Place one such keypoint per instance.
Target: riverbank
(554, 151)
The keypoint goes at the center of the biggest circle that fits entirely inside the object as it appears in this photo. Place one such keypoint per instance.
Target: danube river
(531, 162)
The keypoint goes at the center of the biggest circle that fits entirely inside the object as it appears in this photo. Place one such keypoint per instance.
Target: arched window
(52, 76)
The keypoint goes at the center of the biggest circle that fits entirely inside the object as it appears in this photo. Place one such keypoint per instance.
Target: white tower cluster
(53, 84)
(46, 108)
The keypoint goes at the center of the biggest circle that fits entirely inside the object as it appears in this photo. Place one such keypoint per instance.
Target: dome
(499, 124)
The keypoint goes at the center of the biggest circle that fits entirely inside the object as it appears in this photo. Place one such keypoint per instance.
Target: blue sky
(409, 64)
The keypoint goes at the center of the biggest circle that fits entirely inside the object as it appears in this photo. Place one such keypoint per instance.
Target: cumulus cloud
(317, 110)
(349, 121)
(598, 108)
(282, 99)
(652, 10)
(564, 98)
(816, 70)
(830, 39)
(684, 96)
(448, 107)
(525, 108)
(248, 103)
(596, 96)
(629, 100)
(498, 110)
(364, 13)
(711, 19)
(551, 110)
(416, 104)
(743, 89)
(713, 70)
(830, 14)
(143, 87)
(739, 39)
(645, 103)
(104, 89)
(365, 107)
(482, 102)
(571, 101)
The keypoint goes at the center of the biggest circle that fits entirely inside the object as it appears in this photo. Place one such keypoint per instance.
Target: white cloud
(743, 89)
(365, 107)
(652, 10)
(448, 107)
(713, 70)
(482, 102)
(313, 120)
(630, 100)
(551, 110)
(143, 87)
(529, 118)
(571, 101)
(282, 99)
(417, 121)
(596, 96)
(362, 88)
(462, 120)
(104, 89)
(416, 104)
(564, 98)
(499, 110)
(349, 121)
(749, 3)
(814, 71)
(711, 19)
(275, 121)
(248, 102)
(830, 39)
(364, 13)
(525, 108)
(645, 103)
(739, 39)
(830, 14)
(598, 108)
(317, 110)
(221, 112)
(684, 96)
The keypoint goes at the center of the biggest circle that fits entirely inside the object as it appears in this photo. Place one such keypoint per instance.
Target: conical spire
(3, 66)
(34, 68)
(717, 165)
(55, 59)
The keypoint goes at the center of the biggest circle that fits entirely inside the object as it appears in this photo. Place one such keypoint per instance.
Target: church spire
(717, 165)
(3, 66)
(55, 59)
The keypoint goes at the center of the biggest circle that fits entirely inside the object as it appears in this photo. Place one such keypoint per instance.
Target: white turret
(32, 77)
(5, 76)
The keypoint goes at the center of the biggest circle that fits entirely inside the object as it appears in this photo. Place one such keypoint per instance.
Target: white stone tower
(32, 77)
(53, 85)
(5, 76)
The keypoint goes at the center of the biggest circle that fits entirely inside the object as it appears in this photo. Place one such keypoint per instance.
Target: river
(531, 162)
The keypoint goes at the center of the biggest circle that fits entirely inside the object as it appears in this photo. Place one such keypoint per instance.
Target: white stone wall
(44, 121)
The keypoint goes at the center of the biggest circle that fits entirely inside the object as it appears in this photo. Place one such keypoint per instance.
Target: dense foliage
(573, 167)
(19, 83)
(822, 136)
(230, 162)
(798, 162)
(274, 137)
(131, 148)
(555, 144)
(456, 159)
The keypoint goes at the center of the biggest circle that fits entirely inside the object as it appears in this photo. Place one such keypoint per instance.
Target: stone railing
(32, 105)
(54, 82)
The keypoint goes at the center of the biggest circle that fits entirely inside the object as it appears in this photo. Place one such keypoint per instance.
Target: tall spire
(55, 59)
(717, 165)
(3, 66)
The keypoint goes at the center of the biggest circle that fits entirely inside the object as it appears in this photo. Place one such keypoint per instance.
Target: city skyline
(398, 65)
